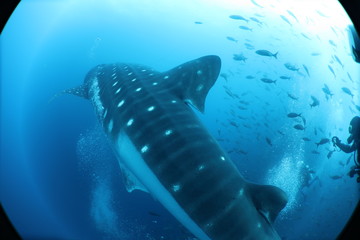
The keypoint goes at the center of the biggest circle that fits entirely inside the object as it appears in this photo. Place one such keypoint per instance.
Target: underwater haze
(288, 84)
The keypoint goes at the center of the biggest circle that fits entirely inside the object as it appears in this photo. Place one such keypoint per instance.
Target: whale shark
(163, 148)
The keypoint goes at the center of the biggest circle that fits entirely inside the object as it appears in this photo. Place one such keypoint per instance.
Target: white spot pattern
(168, 132)
(110, 126)
(130, 122)
(209, 225)
(151, 108)
(120, 103)
(176, 187)
(241, 192)
(144, 149)
(200, 87)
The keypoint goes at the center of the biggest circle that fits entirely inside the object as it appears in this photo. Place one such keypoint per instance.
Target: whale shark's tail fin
(268, 200)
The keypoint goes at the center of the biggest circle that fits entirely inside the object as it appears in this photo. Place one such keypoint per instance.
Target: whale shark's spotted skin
(161, 142)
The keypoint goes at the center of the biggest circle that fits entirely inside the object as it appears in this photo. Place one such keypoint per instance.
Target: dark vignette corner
(7, 8)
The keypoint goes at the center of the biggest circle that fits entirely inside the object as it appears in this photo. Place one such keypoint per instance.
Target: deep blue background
(58, 175)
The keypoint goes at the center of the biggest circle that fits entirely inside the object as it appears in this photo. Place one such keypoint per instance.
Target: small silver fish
(327, 91)
(332, 70)
(299, 127)
(294, 115)
(338, 60)
(238, 17)
(335, 177)
(241, 152)
(323, 141)
(293, 15)
(315, 102)
(347, 91)
(332, 43)
(256, 20)
(305, 36)
(225, 76)
(266, 53)
(245, 28)
(306, 69)
(292, 96)
(249, 46)
(268, 80)
(268, 141)
(231, 39)
(239, 57)
(291, 67)
(286, 20)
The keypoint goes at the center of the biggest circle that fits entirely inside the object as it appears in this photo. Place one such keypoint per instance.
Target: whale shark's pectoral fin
(192, 81)
(268, 200)
(130, 181)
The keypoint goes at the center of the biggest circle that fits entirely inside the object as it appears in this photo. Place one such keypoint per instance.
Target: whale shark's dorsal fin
(268, 200)
(192, 80)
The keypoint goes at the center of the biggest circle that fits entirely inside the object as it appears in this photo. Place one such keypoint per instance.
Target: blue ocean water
(59, 177)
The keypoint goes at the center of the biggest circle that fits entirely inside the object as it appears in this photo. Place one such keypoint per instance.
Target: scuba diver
(354, 138)
(308, 178)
